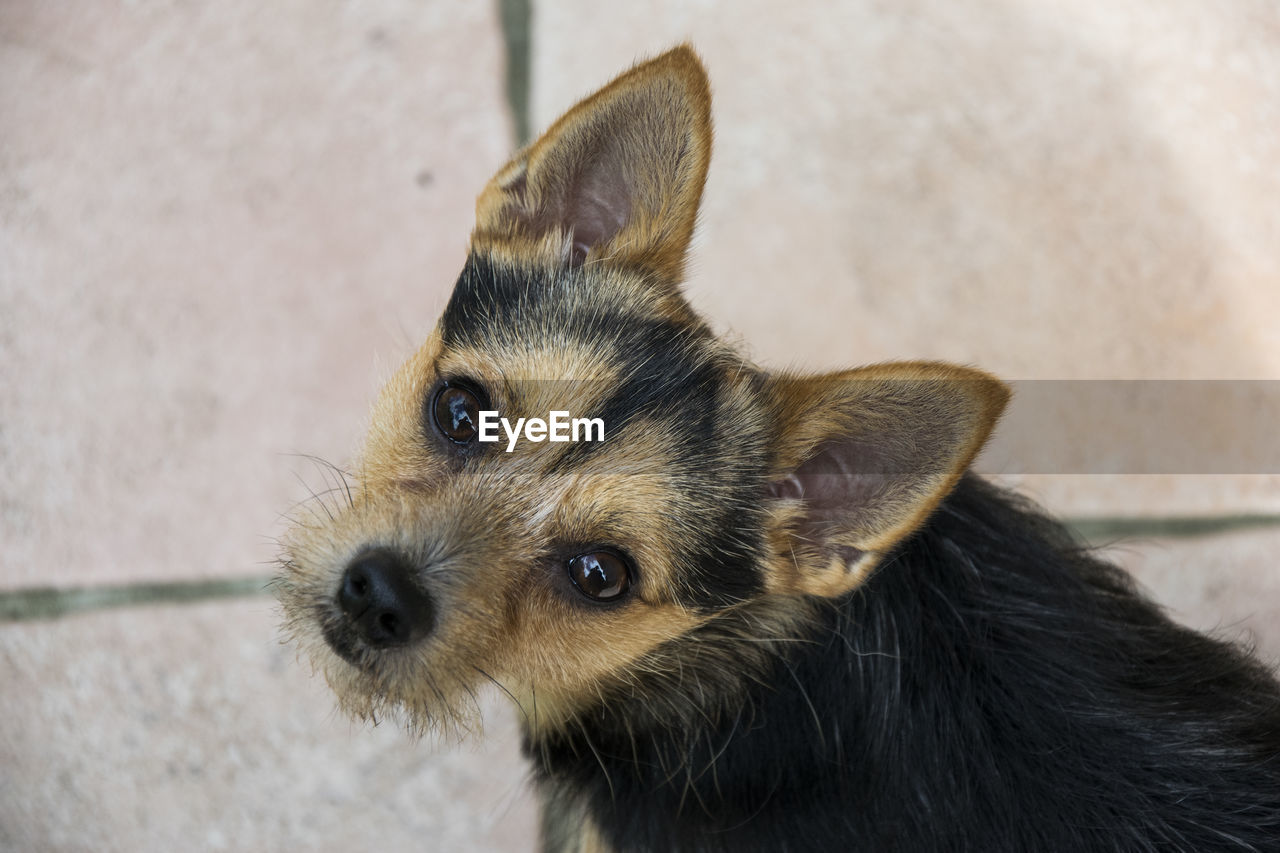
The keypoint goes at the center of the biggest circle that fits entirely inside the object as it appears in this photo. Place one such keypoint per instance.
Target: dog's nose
(382, 602)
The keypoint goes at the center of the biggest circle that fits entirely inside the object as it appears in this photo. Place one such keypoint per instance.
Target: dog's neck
(988, 662)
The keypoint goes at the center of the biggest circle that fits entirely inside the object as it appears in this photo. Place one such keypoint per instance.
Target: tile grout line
(47, 603)
(39, 603)
(1100, 531)
(516, 16)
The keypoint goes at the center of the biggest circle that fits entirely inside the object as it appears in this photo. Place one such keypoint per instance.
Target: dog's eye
(601, 575)
(456, 410)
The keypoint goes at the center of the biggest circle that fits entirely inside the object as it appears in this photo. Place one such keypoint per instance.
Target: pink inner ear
(594, 205)
(838, 481)
(836, 484)
(598, 206)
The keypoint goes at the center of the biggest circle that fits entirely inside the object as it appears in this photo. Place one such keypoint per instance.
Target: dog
(752, 610)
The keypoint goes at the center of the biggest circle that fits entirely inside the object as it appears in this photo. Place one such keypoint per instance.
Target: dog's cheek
(572, 654)
(396, 448)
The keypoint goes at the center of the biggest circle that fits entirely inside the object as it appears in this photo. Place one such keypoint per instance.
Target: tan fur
(658, 144)
(625, 167)
(880, 400)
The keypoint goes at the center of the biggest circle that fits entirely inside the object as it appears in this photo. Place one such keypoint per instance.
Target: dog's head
(569, 570)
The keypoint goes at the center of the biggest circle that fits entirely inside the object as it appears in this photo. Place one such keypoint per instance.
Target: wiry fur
(991, 687)
(834, 638)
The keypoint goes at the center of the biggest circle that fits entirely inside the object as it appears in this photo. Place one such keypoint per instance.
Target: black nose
(382, 602)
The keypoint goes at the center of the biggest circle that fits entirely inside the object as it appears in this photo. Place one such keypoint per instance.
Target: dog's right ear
(618, 178)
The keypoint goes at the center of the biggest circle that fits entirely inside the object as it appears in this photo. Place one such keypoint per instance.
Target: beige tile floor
(192, 728)
(222, 224)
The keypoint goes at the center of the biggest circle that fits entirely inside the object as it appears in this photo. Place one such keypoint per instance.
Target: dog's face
(566, 570)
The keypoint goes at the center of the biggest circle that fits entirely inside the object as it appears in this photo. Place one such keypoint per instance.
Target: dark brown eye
(601, 575)
(456, 410)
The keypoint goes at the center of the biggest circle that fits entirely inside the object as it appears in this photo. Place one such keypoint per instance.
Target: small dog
(752, 610)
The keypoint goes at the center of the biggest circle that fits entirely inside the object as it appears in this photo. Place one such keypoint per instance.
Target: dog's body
(767, 612)
(990, 688)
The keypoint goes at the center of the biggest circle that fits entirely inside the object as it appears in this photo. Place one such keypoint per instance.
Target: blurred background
(223, 224)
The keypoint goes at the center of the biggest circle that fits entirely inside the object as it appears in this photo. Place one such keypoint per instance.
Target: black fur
(992, 688)
(670, 377)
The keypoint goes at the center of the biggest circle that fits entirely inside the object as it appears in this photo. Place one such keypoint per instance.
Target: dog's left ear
(619, 177)
(862, 457)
